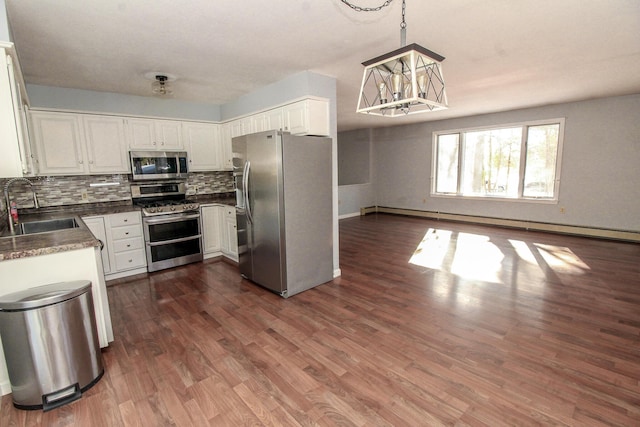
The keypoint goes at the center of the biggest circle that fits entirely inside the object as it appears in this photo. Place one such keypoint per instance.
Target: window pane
(540, 172)
(491, 162)
(447, 168)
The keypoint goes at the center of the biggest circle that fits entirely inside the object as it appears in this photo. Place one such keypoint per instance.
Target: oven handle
(169, 242)
(173, 218)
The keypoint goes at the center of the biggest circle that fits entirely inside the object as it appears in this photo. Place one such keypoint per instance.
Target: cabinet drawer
(130, 259)
(124, 245)
(126, 232)
(125, 218)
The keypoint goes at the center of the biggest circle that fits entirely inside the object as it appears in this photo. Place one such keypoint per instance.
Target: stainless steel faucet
(8, 203)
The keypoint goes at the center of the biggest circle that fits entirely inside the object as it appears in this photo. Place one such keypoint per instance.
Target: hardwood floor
(485, 326)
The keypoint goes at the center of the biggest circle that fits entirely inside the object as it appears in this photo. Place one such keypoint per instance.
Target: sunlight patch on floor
(561, 259)
(475, 257)
(432, 249)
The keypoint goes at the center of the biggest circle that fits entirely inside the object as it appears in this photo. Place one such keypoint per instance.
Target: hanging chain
(403, 24)
(372, 9)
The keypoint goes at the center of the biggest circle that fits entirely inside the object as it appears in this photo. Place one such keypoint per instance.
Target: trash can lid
(41, 296)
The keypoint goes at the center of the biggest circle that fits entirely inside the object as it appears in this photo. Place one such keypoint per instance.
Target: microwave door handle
(247, 196)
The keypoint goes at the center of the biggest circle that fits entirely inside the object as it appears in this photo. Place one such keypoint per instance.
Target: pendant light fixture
(405, 81)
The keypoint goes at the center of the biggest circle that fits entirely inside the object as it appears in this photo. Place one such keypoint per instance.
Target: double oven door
(172, 240)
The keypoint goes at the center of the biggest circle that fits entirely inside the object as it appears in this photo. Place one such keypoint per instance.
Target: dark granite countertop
(22, 246)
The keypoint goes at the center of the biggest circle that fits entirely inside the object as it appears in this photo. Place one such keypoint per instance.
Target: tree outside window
(517, 162)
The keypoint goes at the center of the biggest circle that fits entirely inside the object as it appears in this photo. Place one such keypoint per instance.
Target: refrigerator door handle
(245, 182)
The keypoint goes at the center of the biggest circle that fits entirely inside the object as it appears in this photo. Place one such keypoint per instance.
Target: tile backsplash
(77, 190)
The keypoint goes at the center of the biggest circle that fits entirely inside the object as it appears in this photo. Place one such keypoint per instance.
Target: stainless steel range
(172, 229)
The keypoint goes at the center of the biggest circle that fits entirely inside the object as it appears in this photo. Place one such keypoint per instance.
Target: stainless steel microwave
(146, 165)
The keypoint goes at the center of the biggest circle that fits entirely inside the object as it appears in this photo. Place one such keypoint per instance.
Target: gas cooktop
(163, 207)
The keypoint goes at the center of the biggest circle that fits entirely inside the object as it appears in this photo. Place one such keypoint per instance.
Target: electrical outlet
(83, 195)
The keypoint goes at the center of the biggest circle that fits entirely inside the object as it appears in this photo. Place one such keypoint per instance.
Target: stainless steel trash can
(50, 343)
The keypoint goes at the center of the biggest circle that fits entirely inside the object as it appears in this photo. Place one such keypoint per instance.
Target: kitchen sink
(47, 225)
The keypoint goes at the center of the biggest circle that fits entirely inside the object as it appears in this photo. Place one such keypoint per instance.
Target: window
(514, 162)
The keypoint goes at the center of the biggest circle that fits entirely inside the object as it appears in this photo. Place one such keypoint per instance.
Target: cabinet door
(308, 117)
(168, 134)
(16, 159)
(237, 128)
(202, 141)
(141, 134)
(59, 143)
(96, 225)
(269, 120)
(211, 228)
(229, 244)
(106, 144)
(226, 152)
(233, 236)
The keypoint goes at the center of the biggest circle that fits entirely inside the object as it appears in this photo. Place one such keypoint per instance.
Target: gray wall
(354, 158)
(295, 86)
(600, 177)
(4, 23)
(108, 102)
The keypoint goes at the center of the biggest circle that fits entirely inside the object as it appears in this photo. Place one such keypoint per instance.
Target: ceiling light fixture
(161, 85)
(405, 81)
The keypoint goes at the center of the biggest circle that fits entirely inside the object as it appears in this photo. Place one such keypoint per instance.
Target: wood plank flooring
(484, 327)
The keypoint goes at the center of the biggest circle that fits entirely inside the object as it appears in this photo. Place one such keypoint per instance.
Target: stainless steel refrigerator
(284, 210)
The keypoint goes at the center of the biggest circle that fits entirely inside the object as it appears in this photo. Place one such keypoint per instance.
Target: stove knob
(152, 210)
(173, 208)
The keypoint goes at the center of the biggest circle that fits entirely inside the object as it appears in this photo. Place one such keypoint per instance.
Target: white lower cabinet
(96, 225)
(124, 252)
(219, 231)
(126, 241)
(210, 218)
(229, 244)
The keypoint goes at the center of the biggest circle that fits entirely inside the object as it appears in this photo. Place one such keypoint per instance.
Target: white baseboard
(602, 233)
(350, 215)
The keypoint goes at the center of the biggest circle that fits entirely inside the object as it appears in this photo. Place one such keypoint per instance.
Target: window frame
(522, 167)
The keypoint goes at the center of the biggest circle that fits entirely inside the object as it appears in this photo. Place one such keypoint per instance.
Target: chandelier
(405, 81)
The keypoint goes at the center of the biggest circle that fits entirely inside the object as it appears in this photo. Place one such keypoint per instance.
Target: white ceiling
(500, 54)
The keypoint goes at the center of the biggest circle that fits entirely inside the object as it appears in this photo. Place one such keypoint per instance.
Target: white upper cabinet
(202, 141)
(243, 126)
(269, 120)
(151, 134)
(72, 144)
(307, 117)
(226, 151)
(59, 143)
(16, 158)
(106, 146)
